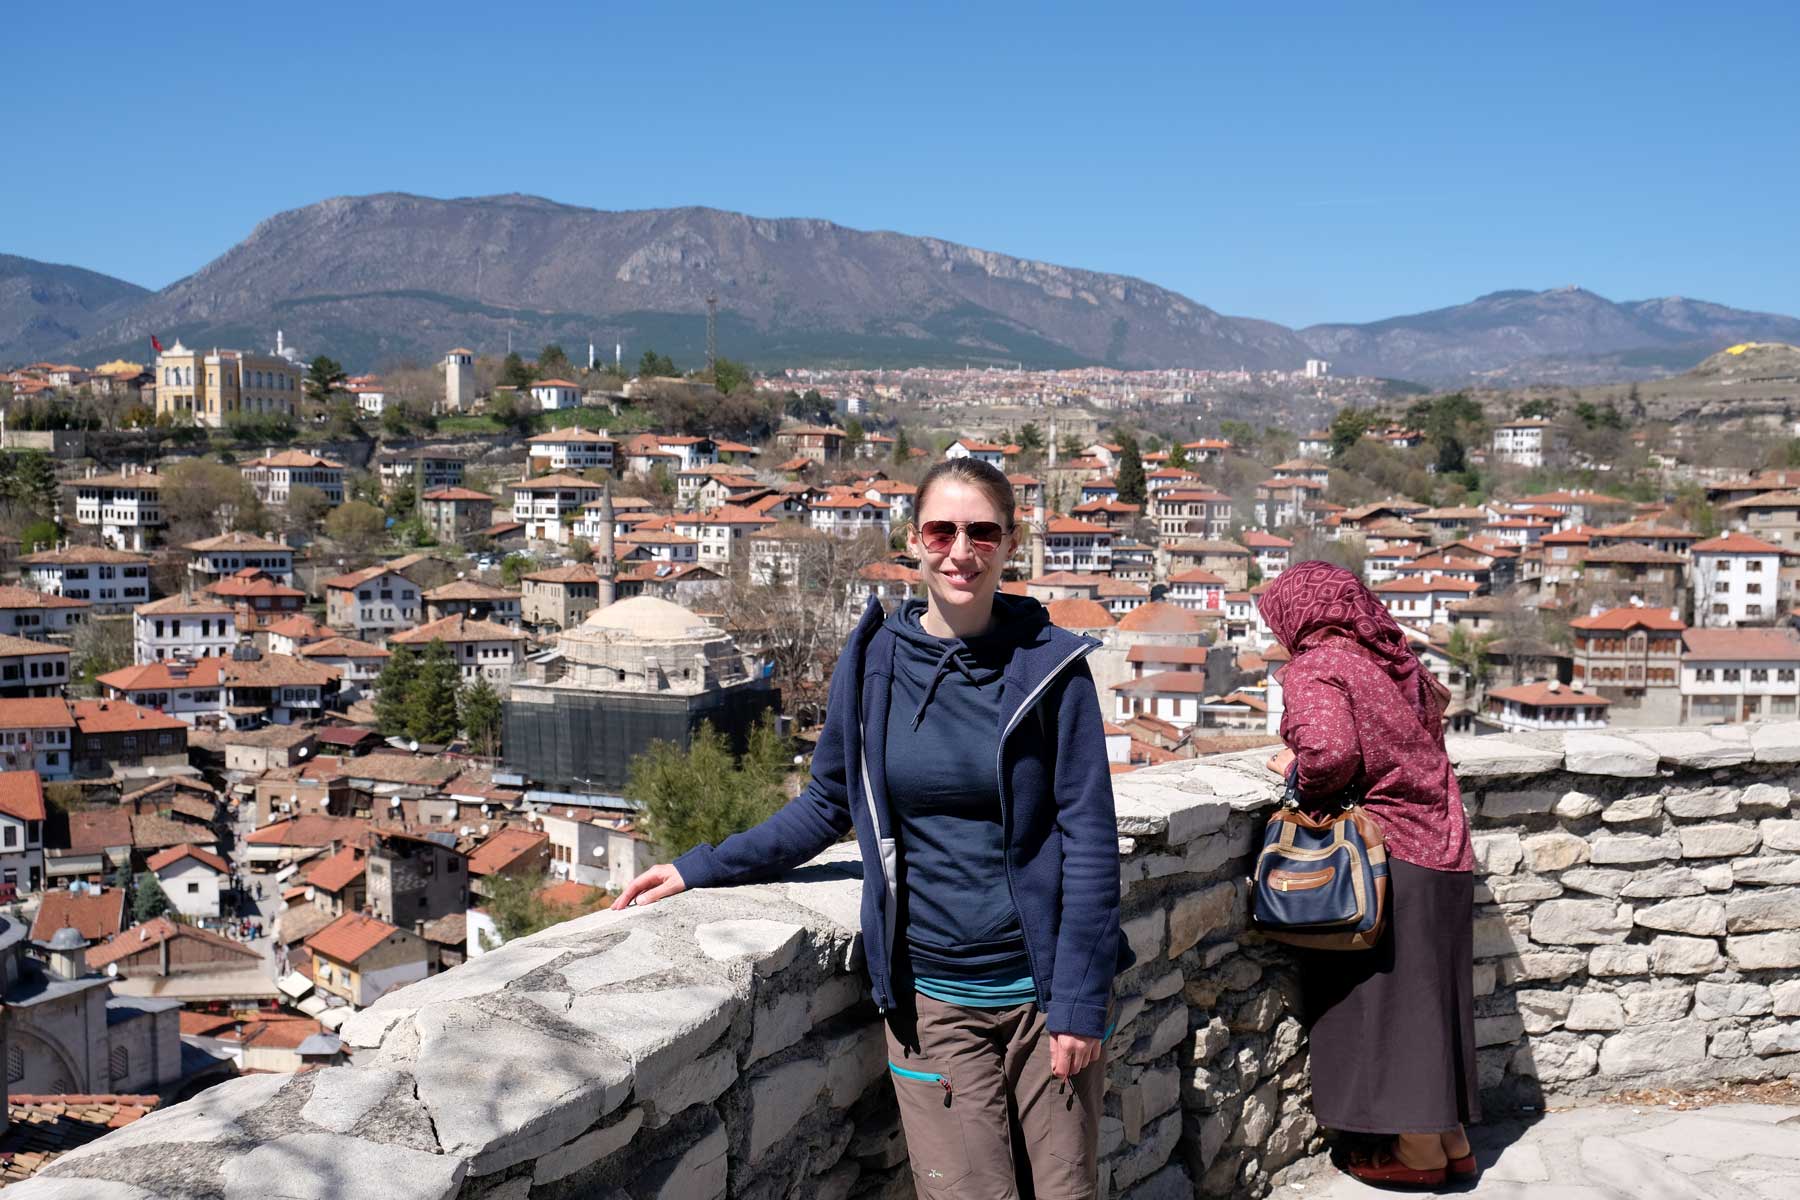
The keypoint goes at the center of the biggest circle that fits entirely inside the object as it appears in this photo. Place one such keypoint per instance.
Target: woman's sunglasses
(939, 536)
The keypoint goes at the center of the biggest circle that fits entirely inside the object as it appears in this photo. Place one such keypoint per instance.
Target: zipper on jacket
(888, 884)
(1031, 698)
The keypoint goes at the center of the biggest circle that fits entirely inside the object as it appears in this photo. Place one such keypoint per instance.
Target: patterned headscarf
(1314, 601)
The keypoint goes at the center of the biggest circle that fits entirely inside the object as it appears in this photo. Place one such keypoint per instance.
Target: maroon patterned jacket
(1360, 709)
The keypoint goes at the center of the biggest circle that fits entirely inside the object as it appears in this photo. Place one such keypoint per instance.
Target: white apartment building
(721, 533)
(1071, 545)
(38, 734)
(548, 505)
(27, 612)
(1540, 707)
(126, 508)
(1272, 553)
(1522, 443)
(274, 476)
(987, 452)
(1423, 601)
(1191, 512)
(552, 395)
(109, 580)
(482, 649)
(22, 817)
(397, 470)
(577, 845)
(220, 557)
(689, 452)
(1732, 675)
(375, 600)
(847, 515)
(1737, 581)
(190, 627)
(571, 450)
(192, 878)
(358, 664)
(1198, 591)
(369, 392)
(29, 668)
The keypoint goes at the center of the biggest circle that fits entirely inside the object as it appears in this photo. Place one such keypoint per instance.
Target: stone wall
(1637, 925)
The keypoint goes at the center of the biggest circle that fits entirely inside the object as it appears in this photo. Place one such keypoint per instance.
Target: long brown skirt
(1392, 1030)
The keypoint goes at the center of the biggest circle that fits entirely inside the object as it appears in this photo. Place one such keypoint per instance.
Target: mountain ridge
(394, 275)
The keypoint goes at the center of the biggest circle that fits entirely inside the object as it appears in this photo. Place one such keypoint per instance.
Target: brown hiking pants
(981, 1109)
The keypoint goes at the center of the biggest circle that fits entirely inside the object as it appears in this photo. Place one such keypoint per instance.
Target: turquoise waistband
(979, 993)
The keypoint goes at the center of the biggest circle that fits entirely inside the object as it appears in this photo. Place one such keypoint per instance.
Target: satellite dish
(414, 744)
(112, 970)
(484, 829)
(599, 851)
(394, 802)
(303, 752)
(485, 810)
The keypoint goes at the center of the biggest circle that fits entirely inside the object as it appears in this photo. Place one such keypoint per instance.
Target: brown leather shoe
(1382, 1169)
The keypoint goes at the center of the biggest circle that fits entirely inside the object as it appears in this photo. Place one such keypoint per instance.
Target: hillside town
(314, 685)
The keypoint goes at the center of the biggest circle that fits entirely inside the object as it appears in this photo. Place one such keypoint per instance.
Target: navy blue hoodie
(1061, 837)
(943, 737)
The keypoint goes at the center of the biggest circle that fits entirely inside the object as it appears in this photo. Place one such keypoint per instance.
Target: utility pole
(712, 334)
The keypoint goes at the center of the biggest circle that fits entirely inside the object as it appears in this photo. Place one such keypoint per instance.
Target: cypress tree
(1130, 477)
(392, 688)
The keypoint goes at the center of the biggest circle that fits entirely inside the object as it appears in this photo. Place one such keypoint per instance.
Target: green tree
(653, 365)
(902, 446)
(1348, 427)
(148, 901)
(729, 376)
(552, 362)
(478, 710)
(324, 377)
(515, 904)
(307, 506)
(1130, 474)
(1538, 408)
(28, 479)
(357, 526)
(1469, 651)
(1070, 446)
(853, 434)
(702, 794)
(1241, 435)
(513, 566)
(392, 688)
(514, 373)
(431, 702)
(1178, 456)
(1031, 437)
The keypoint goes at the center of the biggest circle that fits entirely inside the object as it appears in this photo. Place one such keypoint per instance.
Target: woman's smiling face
(960, 575)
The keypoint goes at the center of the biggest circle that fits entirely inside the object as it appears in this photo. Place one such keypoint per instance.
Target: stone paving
(1618, 1152)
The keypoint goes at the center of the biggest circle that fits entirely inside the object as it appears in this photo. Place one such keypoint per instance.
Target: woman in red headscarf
(1392, 1028)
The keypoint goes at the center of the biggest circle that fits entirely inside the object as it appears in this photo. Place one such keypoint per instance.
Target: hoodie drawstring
(952, 655)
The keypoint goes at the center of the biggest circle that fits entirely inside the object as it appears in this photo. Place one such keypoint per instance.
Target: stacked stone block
(1638, 923)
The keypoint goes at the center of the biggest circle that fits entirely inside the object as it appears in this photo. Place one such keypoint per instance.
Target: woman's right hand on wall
(658, 882)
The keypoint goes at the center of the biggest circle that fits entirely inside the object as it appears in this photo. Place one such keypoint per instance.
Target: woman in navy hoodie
(964, 745)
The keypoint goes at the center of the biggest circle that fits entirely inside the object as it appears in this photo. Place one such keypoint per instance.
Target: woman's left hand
(1071, 1054)
(1280, 762)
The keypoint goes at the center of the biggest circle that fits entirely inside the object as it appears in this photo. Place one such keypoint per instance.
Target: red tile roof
(1739, 645)
(1736, 543)
(339, 871)
(350, 937)
(1078, 612)
(38, 712)
(175, 854)
(504, 848)
(1159, 616)
(121, 716)
(97, 916)
(1540, 695)
(159, 930)
(22, 795)
(1617, 620)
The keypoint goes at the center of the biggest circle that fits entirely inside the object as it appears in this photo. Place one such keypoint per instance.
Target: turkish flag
(156, 344)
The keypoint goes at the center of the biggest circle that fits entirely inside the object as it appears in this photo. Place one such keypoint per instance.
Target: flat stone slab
(1480, 758)
(321, 1166)
(1603, 754)
(501, 1091)
(1618, 1152)
(1695, 749)
(769, 945)
(207, 1117)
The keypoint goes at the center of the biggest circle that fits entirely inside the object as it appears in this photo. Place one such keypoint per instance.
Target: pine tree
(392, 688)
(902, 447)
(514, 373)
(478, 710)
(431, 703)
(1178, 456)
(701, 795)
(150, 902)
(1130, 476)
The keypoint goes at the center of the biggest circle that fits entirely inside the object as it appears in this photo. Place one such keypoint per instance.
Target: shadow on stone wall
(1637, 925)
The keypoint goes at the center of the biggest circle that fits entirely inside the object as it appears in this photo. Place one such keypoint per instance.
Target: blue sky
(1300, 162)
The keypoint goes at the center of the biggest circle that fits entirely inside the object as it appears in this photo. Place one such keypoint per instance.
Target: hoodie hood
(976, 661)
